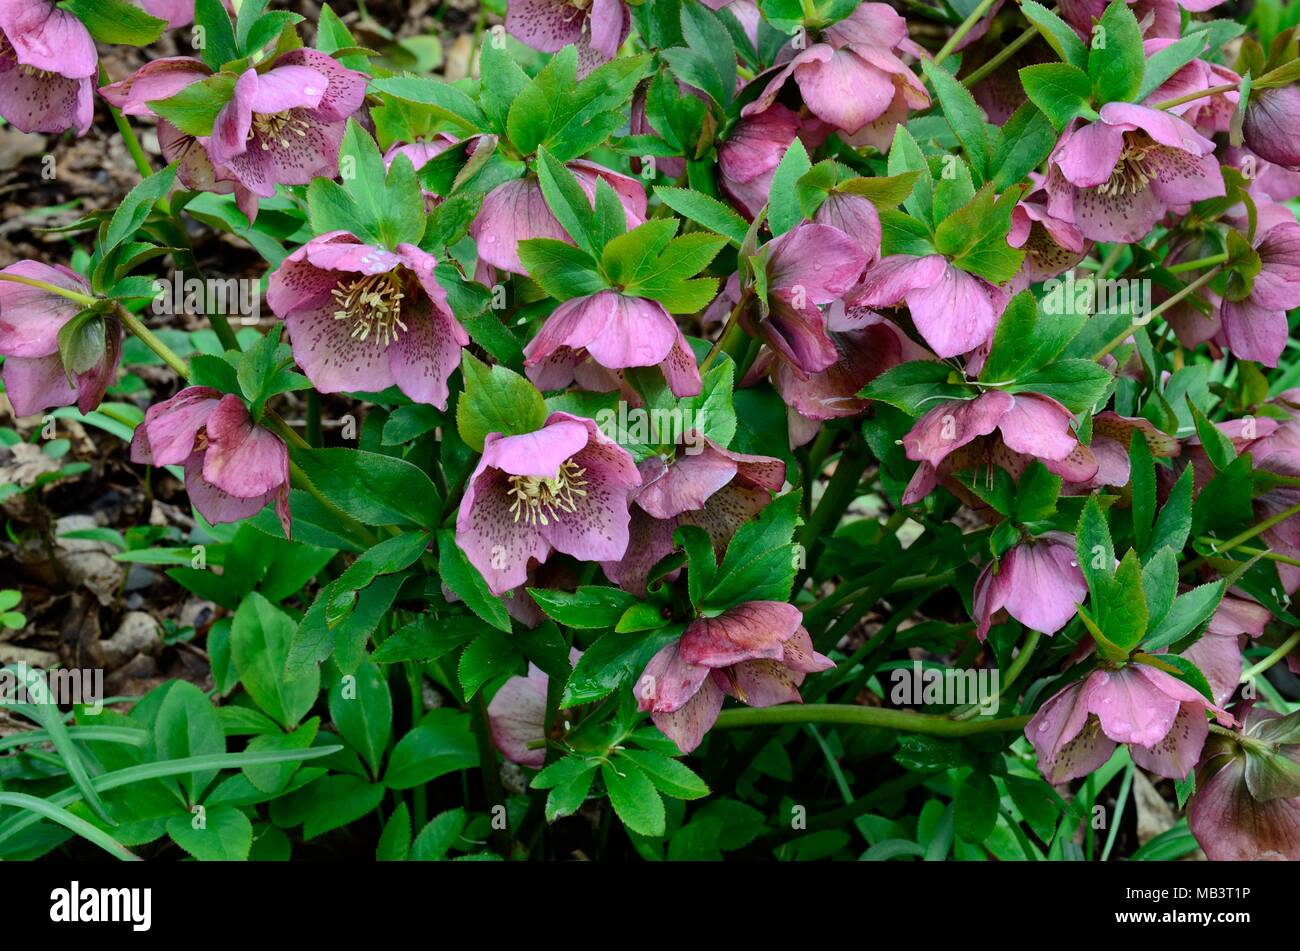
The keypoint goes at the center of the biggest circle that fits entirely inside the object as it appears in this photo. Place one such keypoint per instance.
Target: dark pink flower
(175, 12)
(748, 158)
(617, 332)
(1208, 114)
(562, 488)
(854, 76)
(808, 266)
(1255, 328)
(953, 311)
(365, 318)
(281, 126)
(757, 652)
(30, 320)
(1052, 245)
(714, 488)
(1037, 582)
(1117, 177)
(516, 211)
(1029, 423)
(596, 27)
(47, 65)
(233, 468)
(1160, 717)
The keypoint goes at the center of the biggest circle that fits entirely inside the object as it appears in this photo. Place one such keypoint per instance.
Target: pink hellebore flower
(757, 652)
(1164, 15)
(233, 468)
(562, 488)
(1159, 716)
(517, 715)
(47, 68)
(1030, 423)
(365, 318)
(748, 158)
(617, 332)
(807, 266)
(1256, 328)
(420, 154)
(1117, 177)
(954, 312)
(515, 211)
(854, 76)
(175, 12)
(1208, 114)
(282, 126)
(596, 27)
(714, 488)
(30, 321)
(1052, 245)
(1037, 582)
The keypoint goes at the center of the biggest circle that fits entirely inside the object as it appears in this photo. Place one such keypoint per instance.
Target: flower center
(1132, 172)
(278, 128)
(373, 304)
(539, 500)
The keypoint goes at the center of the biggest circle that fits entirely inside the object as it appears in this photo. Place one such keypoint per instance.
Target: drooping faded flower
(35, 376)
(854, 76)
(1037, 582)
(1052, 245)
(1029, 423)
(233, 468)
(757, 652)
(562, 488)
(618, 332)
(365, 318)
(1160, 717)
(1246, 807)
(807, 267)
(1272, 126)
(1255, 328)
(713, 488)
(47, 67)
(1117, 177)
(517, 716)
(953, 311)
(516, 211)
(281, 126)
(596, 27)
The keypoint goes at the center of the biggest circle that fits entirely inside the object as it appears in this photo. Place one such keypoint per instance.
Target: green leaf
(1188, 613)
(464, 580)
(1119, 604)
(612, 661)
(438, 836)
(1021, 145)
(1027, 339)
(634, 797)
(704, 31)
(336, 801)
(783, 211)
(963, 115)
(1078, 384)
(395, 840)
(1058, 34)
(187, 726)
(1174, 523)
(1059, 90)
(442, 99)
(441, 743)
(1037, 493)
(1116, 60)
(591, 607)
(1164, 63)
(373, 488)
(706, 211)
(361, 707)
(219, 834)
(1143, 481)
(912, 386)
(194, 109)
(1094, 550)
(219, 46)
(490, 655)
(567, 201)
(428, 638)
(975, 808)
(259, 641)
(906, 156)
(135, 207)
(670, 777)
(116, 21)
(560, 269)
(496, 400)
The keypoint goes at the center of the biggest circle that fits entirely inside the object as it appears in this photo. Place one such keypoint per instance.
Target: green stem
(129, 138)
(1285, 648)
(150, 340)
(727, 339)
(1247, 535)
(1199, 94)
(852, 715)
(85, 300)
(960, 33)
(1183, 266)
(1004, 54)
(1143, 321)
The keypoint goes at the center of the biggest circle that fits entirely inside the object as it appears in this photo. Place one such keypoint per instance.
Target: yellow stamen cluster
(277, 127)
(1131, 173)
(373, 304)
(538, 501)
